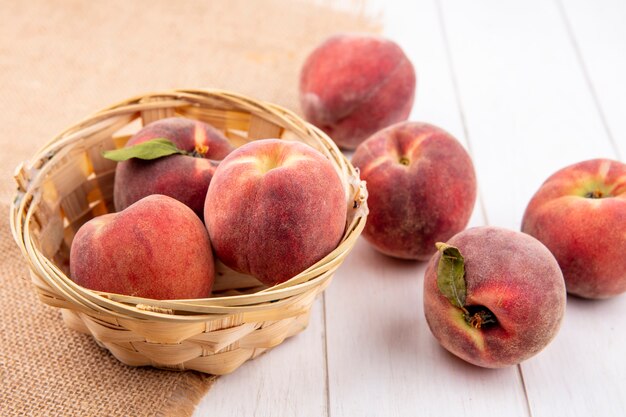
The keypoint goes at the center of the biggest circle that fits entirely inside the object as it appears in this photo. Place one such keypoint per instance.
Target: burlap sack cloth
(59, 62)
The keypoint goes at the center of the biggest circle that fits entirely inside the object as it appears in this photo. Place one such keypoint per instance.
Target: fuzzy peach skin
(514, 277)
(156, 248)
(422, 188)
(353, 85)
(579, 213)
(185, 178)
(274, 208)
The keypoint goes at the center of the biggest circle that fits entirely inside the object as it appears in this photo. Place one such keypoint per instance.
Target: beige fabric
(62, 60)
(46, 369)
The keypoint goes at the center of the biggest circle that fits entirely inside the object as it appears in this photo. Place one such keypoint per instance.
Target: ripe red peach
(353, 85)
(579, 213)
(156, 248)
(422, 188)
(274, 208)
(183, 177)
(509, 304)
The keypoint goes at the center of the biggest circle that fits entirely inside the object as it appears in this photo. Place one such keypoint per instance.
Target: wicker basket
(68, 182)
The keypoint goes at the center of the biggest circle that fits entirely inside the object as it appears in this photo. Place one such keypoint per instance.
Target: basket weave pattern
(68, 182)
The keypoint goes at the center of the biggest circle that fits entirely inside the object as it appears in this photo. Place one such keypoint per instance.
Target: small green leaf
(151, 149)
(451, 275)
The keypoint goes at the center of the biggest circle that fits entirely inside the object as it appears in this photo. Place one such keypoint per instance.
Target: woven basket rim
(29, 176)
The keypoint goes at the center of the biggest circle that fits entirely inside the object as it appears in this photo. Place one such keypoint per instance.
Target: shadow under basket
(68, 182)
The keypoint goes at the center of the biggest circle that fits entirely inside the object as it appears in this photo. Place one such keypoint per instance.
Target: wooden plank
(594, 337)
(527, 107)
(382, 358)
(289, 380)
(599, 39)
(530, 111)
(583, 372)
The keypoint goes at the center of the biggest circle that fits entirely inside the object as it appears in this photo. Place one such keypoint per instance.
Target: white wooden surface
(528, 87)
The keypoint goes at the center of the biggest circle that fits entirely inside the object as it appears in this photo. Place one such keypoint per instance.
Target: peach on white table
(529, 87)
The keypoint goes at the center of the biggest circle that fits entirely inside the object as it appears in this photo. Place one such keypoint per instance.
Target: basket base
(191, 354)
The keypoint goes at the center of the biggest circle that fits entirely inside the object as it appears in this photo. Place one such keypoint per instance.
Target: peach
(493, 297)
(156, 248)
(579, 213)
(183, 177)
(354, 85)
(422, 188)
(274, 208)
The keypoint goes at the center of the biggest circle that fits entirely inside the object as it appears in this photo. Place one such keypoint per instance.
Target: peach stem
(594, 194)
(480, 316)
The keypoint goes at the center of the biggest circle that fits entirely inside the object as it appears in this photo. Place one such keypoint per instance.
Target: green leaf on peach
(151, 149)
(451, 275)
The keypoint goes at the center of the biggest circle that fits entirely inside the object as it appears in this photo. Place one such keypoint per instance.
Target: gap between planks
(326, 370)
(457, 94)
(585, 71)
(523, 382)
